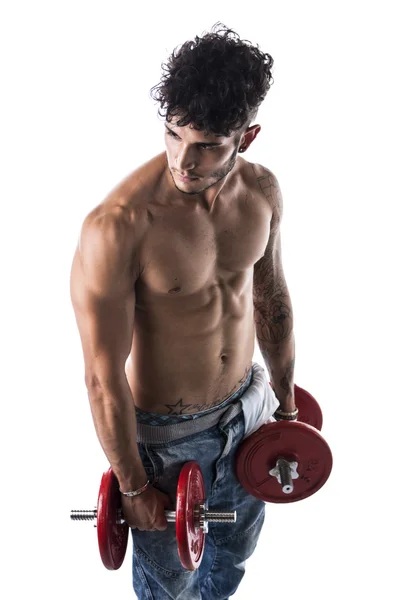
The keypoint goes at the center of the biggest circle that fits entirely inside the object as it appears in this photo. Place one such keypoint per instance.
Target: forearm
(275, 336)
(114, 417)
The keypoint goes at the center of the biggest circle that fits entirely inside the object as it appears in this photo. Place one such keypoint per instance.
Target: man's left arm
(273, 314)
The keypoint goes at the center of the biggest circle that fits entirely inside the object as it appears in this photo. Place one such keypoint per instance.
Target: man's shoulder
(255, 174)
(267, 183)
(127, 202)
(260, 172)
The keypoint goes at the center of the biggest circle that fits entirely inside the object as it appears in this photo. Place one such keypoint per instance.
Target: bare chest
(187, 248)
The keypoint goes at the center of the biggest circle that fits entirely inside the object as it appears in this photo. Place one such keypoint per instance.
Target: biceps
(268, 282)
(273, 313)
(268, 273)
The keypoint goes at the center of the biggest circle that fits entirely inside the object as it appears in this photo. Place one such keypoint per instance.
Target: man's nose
(185, 160)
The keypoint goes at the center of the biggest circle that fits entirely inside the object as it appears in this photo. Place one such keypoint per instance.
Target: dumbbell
(286, 461)
(191, 518)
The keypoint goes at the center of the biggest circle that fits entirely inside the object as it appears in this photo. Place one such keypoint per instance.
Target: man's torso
(194, 334)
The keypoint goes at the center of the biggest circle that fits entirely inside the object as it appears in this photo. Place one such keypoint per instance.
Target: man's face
(206, 160)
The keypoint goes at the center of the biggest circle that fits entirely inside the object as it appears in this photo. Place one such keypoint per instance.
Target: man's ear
(248, 137)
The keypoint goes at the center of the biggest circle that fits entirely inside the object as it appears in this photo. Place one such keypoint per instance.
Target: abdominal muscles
(191, 351)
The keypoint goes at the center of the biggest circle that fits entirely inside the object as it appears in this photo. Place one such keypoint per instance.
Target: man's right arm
(102, 285)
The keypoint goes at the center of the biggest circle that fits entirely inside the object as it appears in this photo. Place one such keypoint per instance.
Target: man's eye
(201, 146)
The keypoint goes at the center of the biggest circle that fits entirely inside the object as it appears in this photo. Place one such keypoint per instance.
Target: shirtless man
(172, 280)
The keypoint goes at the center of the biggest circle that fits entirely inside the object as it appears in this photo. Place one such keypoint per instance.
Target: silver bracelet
(280, 415)
(137, 492)
(292, 413)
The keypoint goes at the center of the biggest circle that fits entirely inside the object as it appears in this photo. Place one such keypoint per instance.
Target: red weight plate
(190, 493)
(309, 409)
(294, 441)
(112, 536)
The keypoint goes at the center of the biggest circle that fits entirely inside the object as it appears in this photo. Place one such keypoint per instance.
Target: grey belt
(158, 434)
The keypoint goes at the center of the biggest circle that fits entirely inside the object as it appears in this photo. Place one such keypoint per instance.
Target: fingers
(159, 525)
(158, 528)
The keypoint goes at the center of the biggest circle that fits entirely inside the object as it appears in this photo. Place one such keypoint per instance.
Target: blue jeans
(157, 570)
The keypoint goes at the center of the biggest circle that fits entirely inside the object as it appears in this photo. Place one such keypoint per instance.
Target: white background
(76, 117)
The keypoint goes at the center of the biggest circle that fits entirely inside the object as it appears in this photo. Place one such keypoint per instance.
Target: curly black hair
(216, 82)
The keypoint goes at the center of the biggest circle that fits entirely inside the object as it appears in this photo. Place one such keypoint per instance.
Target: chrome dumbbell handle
(202, 516)
(84, 515)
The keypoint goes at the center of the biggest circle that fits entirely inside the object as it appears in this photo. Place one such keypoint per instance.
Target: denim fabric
(157, 570)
